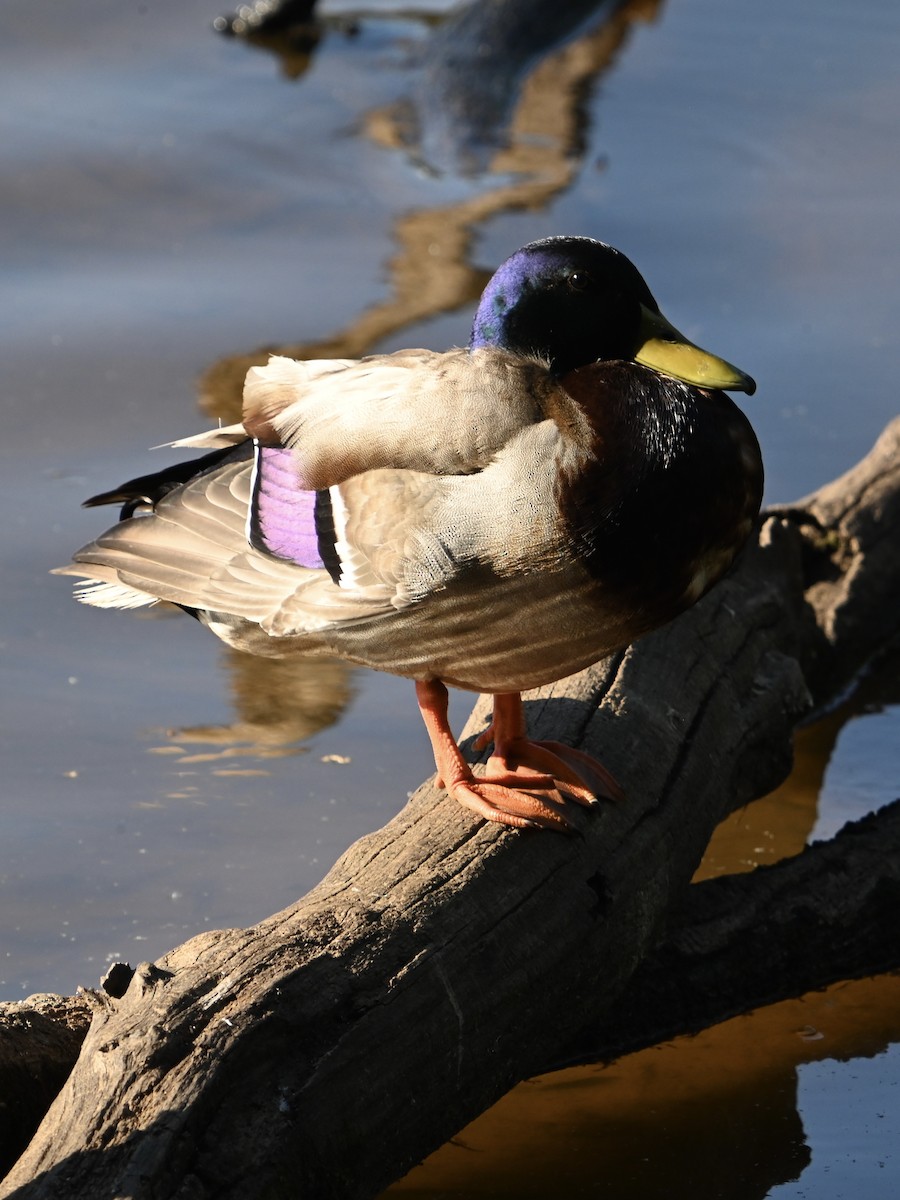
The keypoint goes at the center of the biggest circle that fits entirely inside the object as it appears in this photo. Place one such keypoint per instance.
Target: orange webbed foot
(525, 783)
(581, 776)
(522, 799)
(497, 800)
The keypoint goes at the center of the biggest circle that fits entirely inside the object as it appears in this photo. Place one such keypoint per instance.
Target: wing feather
(193, 552)
(445, 414)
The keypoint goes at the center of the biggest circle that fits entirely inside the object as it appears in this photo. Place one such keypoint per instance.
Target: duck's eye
(578, 281)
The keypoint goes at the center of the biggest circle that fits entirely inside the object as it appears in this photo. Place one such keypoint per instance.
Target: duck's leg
(533, 764)
(498, 799)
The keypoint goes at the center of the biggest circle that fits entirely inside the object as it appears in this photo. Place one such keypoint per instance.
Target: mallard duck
(490, 518)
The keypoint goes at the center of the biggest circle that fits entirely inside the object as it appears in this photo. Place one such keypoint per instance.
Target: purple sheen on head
(530, 267)
(510, 312)
(503, 289)
(282, 513)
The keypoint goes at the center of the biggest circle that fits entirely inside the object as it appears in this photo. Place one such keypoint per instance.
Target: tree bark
(324, 1051)
(39, 1042)
(737, 943)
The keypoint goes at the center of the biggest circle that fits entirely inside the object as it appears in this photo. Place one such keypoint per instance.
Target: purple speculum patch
(282, 513)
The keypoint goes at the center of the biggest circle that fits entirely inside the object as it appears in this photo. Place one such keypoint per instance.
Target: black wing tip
(117, 496)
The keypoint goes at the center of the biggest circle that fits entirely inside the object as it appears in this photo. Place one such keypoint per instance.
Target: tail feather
(193, 549)
(103, 588)
(150, 489)
(112, 595)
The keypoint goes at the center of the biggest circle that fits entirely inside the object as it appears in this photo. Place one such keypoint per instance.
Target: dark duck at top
(492, 518)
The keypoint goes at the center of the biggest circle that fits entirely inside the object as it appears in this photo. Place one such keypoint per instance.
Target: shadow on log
(324, 1051)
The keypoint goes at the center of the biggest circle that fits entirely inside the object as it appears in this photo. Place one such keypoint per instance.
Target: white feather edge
(356, 570)
(209, 439)
(100, 594)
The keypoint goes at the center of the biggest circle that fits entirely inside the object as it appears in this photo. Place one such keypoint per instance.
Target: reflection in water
(780, 824)
(462, 108)
(288, 28)
(278, 701)
(470, 71)
(707, 1117)
(431, 273)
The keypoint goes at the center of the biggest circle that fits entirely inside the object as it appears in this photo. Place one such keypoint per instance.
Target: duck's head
(574, 301)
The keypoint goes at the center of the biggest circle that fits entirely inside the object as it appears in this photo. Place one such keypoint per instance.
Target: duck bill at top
(664, 349)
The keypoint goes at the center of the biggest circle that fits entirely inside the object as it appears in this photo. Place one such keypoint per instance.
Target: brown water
(172, 201)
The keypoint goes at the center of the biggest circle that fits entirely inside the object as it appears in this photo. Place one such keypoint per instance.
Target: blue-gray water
(170, 198)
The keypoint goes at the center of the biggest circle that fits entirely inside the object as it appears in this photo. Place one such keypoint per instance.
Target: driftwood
(738, 942)
(326, 1050)
(39, 1042)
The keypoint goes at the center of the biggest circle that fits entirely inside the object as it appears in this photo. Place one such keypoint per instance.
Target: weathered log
(738, 942)
(327, 1049)
(39, 1043)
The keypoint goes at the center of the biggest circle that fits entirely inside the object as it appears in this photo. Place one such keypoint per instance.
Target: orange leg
(497, 799)
(525, 783)
(533, 764)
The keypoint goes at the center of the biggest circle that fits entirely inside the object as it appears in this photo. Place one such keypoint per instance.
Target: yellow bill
(665, 349)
